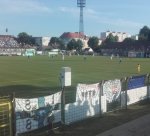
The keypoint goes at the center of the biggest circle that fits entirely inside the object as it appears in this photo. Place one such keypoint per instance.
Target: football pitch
(39, 75)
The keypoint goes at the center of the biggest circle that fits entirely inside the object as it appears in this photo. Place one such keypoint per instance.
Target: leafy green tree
(71, 45)
(93, 42)
(116, 38)
(110, 38)
(144, 34)
(61, 44)
(56, 43)
(53, 44)
(75, 45)
(53, 40)
(24, 38)
(128, 40)
(79, 45)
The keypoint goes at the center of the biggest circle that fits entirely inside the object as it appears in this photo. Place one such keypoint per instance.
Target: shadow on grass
(27, 91)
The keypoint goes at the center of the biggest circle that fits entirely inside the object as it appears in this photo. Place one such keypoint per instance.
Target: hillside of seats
(8, 41)
(9, 46)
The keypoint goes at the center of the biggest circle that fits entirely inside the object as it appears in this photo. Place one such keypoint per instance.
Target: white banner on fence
(148, 91)
(103, 104)
(86, 92)
(75, 111)
(136, 95)
(87, 103)
(112, 89)
(37, 112)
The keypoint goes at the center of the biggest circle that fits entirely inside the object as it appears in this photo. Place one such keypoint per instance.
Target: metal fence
(94, 99)
(69, 106)
(5, 116)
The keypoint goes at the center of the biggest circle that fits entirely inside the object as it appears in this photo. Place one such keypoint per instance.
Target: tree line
(93, 42)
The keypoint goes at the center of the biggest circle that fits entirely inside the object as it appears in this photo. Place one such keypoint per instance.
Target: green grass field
(39, 75)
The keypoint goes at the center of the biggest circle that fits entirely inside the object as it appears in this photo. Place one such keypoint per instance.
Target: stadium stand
(9, 46)
(8, 41)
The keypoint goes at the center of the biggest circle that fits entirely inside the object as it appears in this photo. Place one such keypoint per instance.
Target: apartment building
(121, 35)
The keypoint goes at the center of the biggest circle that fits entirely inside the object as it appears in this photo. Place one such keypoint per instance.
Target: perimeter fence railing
(36, 115)
(6, 116)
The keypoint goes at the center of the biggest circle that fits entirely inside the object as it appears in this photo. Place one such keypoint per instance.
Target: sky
(54, 17)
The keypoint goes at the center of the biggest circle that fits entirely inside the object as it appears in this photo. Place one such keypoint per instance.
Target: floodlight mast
(81, 4)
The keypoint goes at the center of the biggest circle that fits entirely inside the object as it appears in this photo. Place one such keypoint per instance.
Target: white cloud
(97, 14)
(101, 17)
(23, 7)
(127, 23)
(76, 11)
(73, 11)
(109, 18)
(89, 13)
(118, 22)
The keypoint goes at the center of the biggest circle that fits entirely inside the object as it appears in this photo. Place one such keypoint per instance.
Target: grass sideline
(39, 75)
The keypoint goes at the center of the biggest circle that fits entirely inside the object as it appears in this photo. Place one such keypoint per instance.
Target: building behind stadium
(121, 35)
